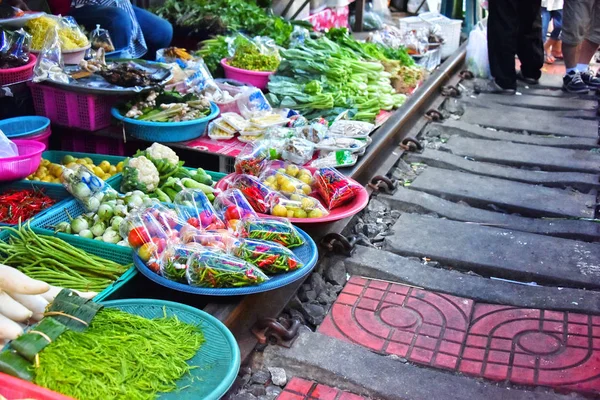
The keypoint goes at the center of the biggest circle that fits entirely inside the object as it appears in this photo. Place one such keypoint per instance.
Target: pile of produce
(250, 55)
(167, 107)
(14, 48)
(69, 34)
(17, 206)
(111, 354)
(51, 172)
(56, 262)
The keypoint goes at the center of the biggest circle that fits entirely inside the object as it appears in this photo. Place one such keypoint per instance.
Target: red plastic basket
(28, 160)
(19, 74)
(14, 388)
(74, 110)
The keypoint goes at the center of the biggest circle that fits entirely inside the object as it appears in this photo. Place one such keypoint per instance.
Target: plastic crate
(14, 388)
(118, 254)
(9, 76)
(74, 110)
(55, 192)
(450, 29)
(75, 141)
(55, 156)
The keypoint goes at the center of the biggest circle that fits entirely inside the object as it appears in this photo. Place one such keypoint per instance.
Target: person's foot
(548, 59)
(591, 80)
(573, 83)
(492, 87)
(529, 81)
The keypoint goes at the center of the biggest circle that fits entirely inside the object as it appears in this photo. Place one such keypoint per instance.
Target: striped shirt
(137, 45)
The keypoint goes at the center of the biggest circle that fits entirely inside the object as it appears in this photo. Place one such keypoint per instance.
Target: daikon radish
(51, 293)
(13, 309)
(35, 303)
(86, 295)
(14, 281)
(9, 330)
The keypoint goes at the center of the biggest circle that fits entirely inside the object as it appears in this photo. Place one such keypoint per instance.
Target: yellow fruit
(112, 170)
(35, 178)
(300, 214)
(98, 171)
(80, 161)
(306, 189)
(105, 166)
(45, 162)
(316, 213)
(292, 170)
(305, 178)
(56, 170)
(47, 179)
(295, 197)
(71, 165)
(88, 160)
(288, 187)
(282, 170)
(271, 179)
(120, 166)
(308, 203)
(290, 214)
(68, 159)
(304, 171)
(279, 211)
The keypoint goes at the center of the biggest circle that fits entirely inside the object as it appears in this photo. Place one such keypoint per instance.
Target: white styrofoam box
(450, 29)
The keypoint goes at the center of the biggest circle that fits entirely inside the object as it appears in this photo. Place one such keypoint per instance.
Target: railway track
(474, 271)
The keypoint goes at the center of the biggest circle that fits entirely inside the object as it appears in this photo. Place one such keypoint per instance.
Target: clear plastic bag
(252, 102)
(50, 64)
(257, 54)
(100, 39)
(7, 147)
(86, 187)
(214, 269)
(334, 188)
(14, 48)
(298, 151)
(194, 207)
(173, 261)
(252, 159)
(220, 240)
(270, 257)
(273, 230)
(284, 183)
(298, 206)
(314, 132)
(291, 169)
(352, 129)
(258, 195)
(232, 207)
(477, 52)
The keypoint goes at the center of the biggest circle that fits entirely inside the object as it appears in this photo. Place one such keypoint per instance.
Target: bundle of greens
(251, 56)
(322, 78)
(167, 107)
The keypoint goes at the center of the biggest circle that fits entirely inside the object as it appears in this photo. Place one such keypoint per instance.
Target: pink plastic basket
(259, 79)
(42, 137)
(18, 74)
(14, 388)
(91, 144)
(28, 160)
(74, 110)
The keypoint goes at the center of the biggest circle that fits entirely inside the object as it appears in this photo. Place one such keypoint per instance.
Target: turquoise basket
(55, 156)
(218, 360)
(55, 192)
(118, 254)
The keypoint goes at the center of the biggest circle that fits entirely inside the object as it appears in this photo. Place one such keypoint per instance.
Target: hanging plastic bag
(50, 64)
(269, 257)
(7, 147)
(209, 268)
(273, 230)
(477, 52)
(100, 39)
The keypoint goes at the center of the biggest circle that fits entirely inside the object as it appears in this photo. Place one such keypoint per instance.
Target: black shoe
(572, 83)
(590, 79)
(529, 81)
(492, 87)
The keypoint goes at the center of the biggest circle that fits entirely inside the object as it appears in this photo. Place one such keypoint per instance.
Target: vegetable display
(71, 37)
(249, 56)
(167, 107)
(56, 262)
(270, 257)
(20, 205)
(334, 188)
(273, 230)
(51, 172)
(216, 270)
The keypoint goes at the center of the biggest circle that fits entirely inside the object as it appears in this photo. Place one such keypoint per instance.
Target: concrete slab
(514, 197)
(554, 92)
(531, 122)
(525, 155)
(498, 252)
(413, 201)
(525, 113)
(464, 129)
(441, 159)
(319, 357)
(539, 102)
(395, 268)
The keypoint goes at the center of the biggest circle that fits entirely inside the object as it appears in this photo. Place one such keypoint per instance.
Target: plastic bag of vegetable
(257, 54)
(252, 159)
(298, 150)
(274, 230)
(173, 261)
(194, 207)
(209, 268)
(50, 64)
(258, 195)
(232, 207)
(222, 240)
(270, 257)
(100, 39)
(334, 188)
(298, 206)
(86, 187)
(279, 180)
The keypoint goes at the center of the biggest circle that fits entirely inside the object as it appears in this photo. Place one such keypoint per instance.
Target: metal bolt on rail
(450, 91)
(411, 144)
(382, 183)
(335, 242)
(434, 115)
(282, 331)
(466, 75)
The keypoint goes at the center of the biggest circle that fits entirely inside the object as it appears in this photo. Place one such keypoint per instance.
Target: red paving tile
(502, 343)
(302, 389)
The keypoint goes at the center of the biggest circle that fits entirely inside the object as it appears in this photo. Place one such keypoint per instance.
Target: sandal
(557, 55)
(549, 59)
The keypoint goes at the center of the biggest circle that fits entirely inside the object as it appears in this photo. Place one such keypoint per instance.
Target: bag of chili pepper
(252, 159)
(173, 261)
(273, 230)
(232, 207)
(213, 269)
(258, 195)
(334, 188)
(194, 207)
(270, 257)
(219, 240)
(17, 206)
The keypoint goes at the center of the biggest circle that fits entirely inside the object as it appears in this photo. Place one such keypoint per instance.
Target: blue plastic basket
(55, 192)
(307, 253)
(119, 254)
(24, 126)
(217, 361)
(167, 131)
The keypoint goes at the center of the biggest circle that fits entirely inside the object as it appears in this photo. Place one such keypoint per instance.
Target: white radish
(13, 309)
(14, 281)
(86, 295)
(9, 329)
(35, 303)
(51, 293)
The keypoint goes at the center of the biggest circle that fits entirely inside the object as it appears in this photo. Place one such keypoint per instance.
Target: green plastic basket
(55, 156)
(218, 360)
(118, 254)
(55, 192)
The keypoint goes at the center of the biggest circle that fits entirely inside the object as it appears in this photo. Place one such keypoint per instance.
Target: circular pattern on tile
(539, 343)
(398, 317)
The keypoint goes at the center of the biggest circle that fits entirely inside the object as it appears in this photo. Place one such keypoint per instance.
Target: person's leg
(546, 15)
(503, 33)
(158, 32)
(588, 49)
(576, 21)
(113, 19)
(530, 48)
(555, 34)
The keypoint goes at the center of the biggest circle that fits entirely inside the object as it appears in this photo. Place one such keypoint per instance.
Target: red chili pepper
(22, 205)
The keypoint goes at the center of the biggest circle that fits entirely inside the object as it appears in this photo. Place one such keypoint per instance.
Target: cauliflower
(159, 151)
(139, 173)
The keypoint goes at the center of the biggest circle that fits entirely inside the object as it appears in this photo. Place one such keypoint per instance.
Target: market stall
(103, 194)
